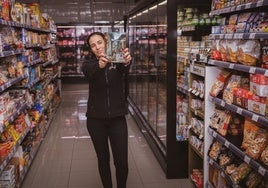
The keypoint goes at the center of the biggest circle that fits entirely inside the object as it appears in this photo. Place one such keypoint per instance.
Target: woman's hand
(103, 61)
(126, 56)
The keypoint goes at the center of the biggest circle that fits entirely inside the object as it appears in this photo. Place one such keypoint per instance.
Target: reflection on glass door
(147, 32)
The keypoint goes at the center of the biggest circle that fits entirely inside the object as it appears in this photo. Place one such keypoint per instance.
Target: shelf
(252, 163)
(255, 117)
(239, 7)
(196, 151)
(12, 117)
(239, 67)
(223, 174)
(11, 52)
(259, 35)
(196, 93)
(16, 24)
(34, 62)
(12, 82)
(183, 90)
(198, 113)
(197, 70)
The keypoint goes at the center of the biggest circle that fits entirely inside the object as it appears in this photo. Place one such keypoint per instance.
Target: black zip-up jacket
(106, 97)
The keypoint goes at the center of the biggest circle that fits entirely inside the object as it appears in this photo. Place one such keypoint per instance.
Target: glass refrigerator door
(161, 76)
(148, 72)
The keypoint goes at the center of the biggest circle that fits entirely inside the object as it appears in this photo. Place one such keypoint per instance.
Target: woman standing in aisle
(106, 109)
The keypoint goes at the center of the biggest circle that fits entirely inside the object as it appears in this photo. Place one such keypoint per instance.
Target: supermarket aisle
(66, 158)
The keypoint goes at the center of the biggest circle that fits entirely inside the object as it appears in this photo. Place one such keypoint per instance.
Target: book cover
(116, 41)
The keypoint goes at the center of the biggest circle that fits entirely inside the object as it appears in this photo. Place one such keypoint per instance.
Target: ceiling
(85, 11)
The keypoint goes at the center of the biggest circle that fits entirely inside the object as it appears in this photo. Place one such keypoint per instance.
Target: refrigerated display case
(149, 82)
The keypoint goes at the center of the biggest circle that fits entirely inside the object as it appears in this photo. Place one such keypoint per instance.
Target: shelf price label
(252, 35)
(231, 66)
(259, 3)
(255, 117)
(247, 159)
(210, 161)
(252, 70)
(266, 73)
(214, 134)
(227, 144)
(248, 5)
(223, 103)
(261, 170)
(238, 36)
(239, 110)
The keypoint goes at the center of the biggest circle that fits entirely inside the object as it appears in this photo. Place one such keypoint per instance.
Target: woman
(106, 109)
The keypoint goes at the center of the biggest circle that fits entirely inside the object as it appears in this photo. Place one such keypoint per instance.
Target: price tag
(223, 103)
(260, 3)
(197, 93)
(231, 66)
(227, 144)
(239, 110)
(255, 117)
(190, 89)
(247, 6)
(214, 134)
(238, 36)
(211, 161)
(266, 73)
(252, 35)
(229, 36)
(261, 170)
(252, 70)
(202, 96)
(247, 159)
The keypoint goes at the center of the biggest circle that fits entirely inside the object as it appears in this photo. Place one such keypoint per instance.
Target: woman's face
(97, 45)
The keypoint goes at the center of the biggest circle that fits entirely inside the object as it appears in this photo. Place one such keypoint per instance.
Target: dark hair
(91, 55)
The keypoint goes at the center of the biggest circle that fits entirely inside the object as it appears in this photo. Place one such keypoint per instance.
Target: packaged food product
(222, 129)
(219, 84)
(250, 130)
(253, 180)
(248, 52)
(215, 150)
(241, 172)
(257, 104)
(259, 143)
(259, 84)
(264, 156)
(236, 125)
(228, 92)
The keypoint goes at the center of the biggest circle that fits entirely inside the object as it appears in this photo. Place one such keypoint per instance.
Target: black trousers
(113, 130)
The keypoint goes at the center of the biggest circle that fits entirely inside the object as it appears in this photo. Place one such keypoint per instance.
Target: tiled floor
(66, 158)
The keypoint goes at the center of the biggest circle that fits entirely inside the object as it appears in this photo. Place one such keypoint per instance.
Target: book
(116, 41)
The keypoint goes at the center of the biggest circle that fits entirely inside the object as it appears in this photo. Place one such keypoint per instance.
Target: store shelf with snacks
(25, 47)
(245, 36)
(261, 169)
(260, 119)
(243, 29)
(239, 7)
(239, 67)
